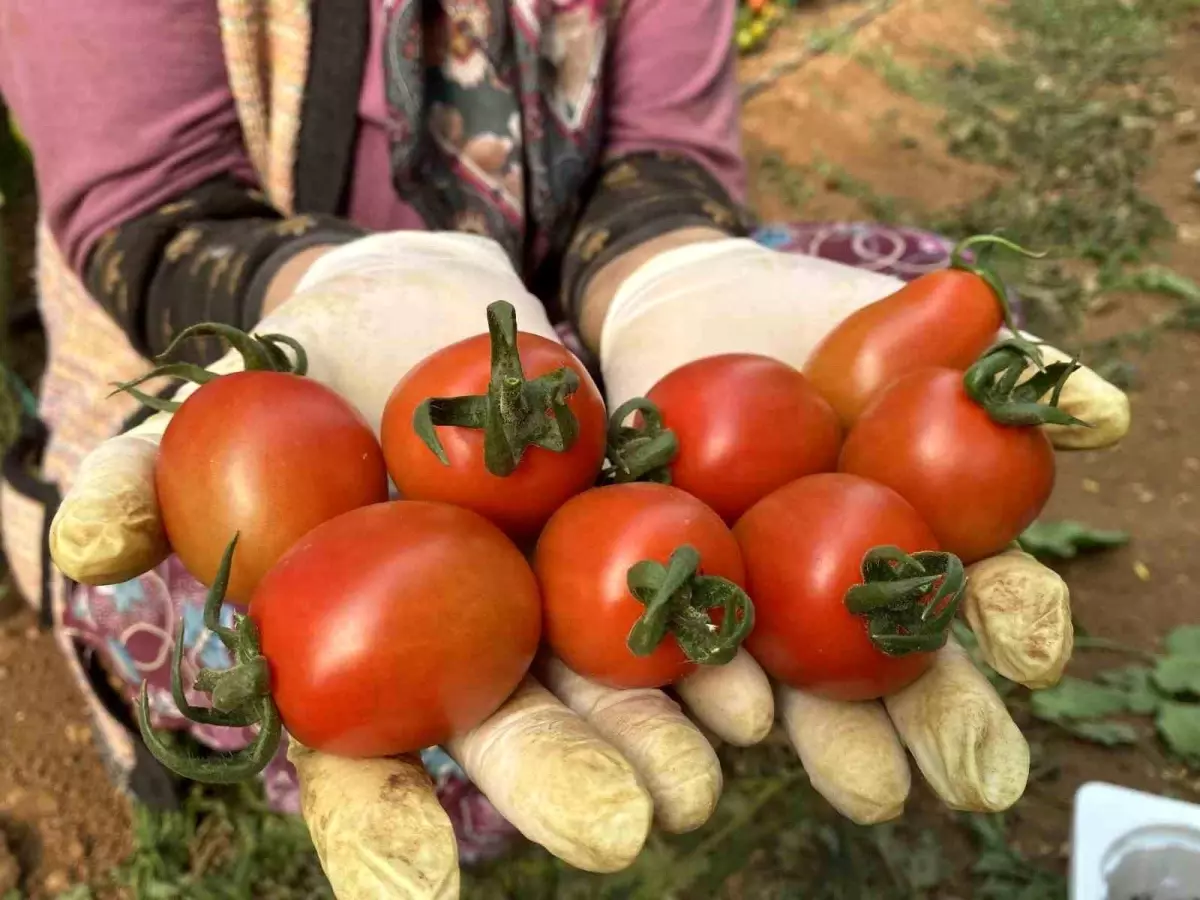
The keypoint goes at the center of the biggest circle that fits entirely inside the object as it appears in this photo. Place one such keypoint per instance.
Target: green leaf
(1067, 539)
(1184, 641)
(1138, 684)
(1074, 698)
(1179, 726)
(1178, 674)
(1108, 734)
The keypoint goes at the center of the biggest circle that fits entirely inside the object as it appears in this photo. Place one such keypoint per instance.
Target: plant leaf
(1106, 733)
(1179, 726)
(1178, 674)
(1184, 641)
(1075, 698)
(1138, 684)
(1067, 539)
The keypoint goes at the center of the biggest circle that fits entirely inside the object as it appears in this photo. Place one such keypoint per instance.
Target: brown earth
(62, 822)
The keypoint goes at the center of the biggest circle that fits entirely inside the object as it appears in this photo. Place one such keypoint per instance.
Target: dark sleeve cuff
(206, 257)
(638, 197)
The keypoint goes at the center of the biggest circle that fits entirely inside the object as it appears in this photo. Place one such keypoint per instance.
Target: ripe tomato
(536, 481)
(269, 455)
(583, 563)
(745, 425)
(945, 318)
(804, 547)
(393, 627)
(977, 483)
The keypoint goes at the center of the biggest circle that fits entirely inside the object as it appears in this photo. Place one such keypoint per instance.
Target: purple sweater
(126, 104)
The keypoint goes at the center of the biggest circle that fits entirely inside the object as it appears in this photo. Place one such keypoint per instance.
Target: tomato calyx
(641, 452)
(260, 353)
(514, 414)
(993, 382)
(978, 268)
(241, 696)
(894, 598)
(678, 600)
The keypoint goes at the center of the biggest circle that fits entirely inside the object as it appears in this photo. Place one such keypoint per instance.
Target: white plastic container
(1128, 845)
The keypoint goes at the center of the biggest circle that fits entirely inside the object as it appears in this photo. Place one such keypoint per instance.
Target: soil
(60, 820)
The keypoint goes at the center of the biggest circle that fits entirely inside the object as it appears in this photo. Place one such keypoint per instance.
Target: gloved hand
(729, 296)
(578, 769)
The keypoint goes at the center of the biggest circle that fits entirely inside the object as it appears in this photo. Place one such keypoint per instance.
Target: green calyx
(642, 452)
(241, 697)
(514, 414)
(979, 268)
(678, 600)
(894, 598)
(260, 353)
(994, 382)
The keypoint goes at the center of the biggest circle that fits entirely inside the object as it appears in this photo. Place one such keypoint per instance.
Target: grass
(1067, 112)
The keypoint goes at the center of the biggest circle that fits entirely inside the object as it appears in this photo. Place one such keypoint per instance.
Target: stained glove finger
(377, 826)
(1020, 611)
(734, 701)
(676, 763)
(851, 754)
(551, 775)
(958, 730)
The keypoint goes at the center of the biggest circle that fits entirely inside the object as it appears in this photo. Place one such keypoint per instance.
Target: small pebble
(1141, 570)
(56, 882)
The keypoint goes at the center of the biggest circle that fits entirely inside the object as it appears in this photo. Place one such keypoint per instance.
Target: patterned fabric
(131, 627)
(494, 111)
(207, 256)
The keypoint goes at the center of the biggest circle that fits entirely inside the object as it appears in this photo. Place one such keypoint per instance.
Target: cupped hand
(581, 770)
(733, 296)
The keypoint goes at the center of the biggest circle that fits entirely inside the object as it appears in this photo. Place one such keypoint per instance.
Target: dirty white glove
(734, 296)
(579, 771)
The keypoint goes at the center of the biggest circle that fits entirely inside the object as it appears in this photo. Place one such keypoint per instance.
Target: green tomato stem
(993, 382)
(978, 268)
(639, 452)
(241, 697)
(679, 600)
(894, 598)
(514, 414)
(260, 353)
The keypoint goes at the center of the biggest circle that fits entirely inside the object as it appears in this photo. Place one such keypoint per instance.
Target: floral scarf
(494, 108)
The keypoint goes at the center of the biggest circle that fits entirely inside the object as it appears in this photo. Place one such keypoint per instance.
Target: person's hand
(579, 769)
(728, 296)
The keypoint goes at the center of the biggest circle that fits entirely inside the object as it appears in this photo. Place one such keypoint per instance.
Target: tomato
(584, 560)
(944, 318)
(396, 626)
(804, 547)
(499, 471)
(266, 454)
(745, 425)
(977, 483)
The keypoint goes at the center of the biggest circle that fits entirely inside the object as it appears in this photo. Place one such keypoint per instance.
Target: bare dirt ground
(63, 824)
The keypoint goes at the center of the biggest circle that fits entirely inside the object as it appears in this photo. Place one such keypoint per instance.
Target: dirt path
(62, 821)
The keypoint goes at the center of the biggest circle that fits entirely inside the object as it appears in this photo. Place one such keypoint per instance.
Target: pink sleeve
(125, 105)
(673, 85)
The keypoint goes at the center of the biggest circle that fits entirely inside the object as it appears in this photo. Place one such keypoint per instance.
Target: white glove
(732, 296)
(581, 771)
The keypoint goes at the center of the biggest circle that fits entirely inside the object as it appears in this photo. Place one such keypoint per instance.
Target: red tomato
(583, 560)
(803, 547)
(393, 627)
(519, 502)
(746, 425)
(945, 318)
(977, 483)
(268, 454)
